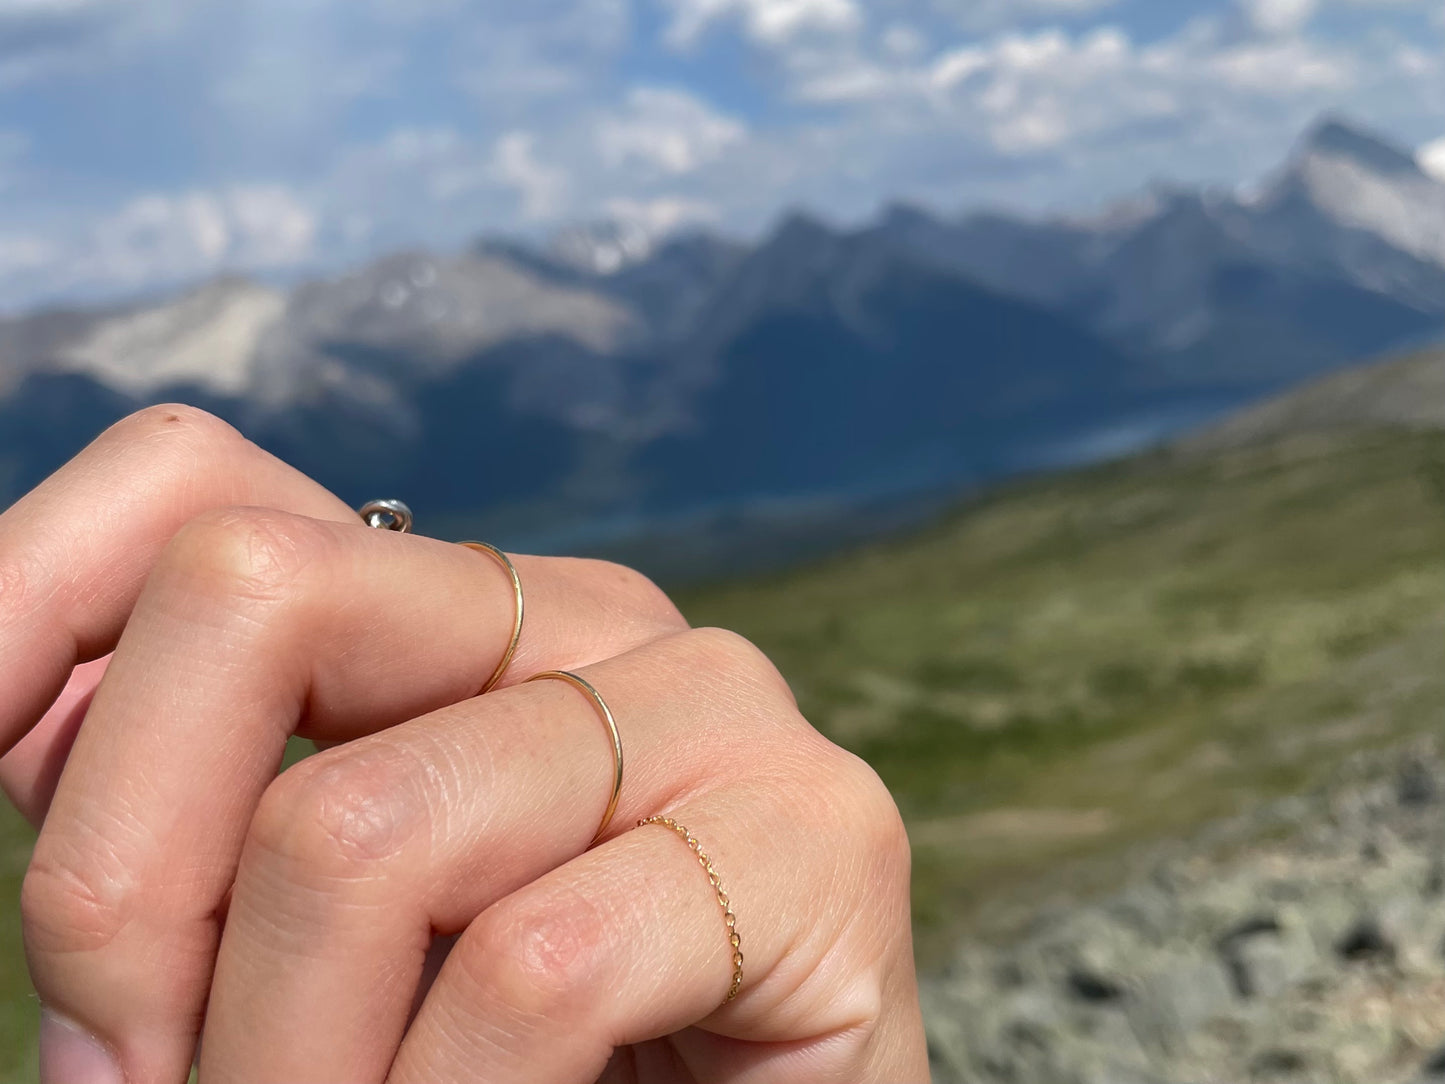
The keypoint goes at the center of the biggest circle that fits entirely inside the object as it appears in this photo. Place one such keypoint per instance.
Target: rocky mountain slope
(632, 383)
(1335, 256)
(821, 363)
(1304, 941)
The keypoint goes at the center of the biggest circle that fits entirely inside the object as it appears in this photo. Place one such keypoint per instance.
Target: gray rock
(1434, 886)
(1275, 1063)
(1416, 784)
(1367, 941)
(1310, 957)
(1091, 986)
(1433, 1068)
(1175, 997)
(1267, 955)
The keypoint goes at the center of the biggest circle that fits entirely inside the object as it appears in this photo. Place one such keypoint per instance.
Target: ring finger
(255, 623)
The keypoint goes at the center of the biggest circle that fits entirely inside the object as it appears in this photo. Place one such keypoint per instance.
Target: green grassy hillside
(1095, 659)
(1088, 661)
(18, 1013)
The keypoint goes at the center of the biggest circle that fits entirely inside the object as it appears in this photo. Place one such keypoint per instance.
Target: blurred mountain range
(611, 384)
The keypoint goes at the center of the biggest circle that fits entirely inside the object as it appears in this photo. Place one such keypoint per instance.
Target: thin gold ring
(606, 713)
(511, 570)
(730, 920)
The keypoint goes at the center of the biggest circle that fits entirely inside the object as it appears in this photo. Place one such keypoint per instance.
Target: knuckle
(542, 958)
(736, 660)
(343, 813)
(73, 906)
(873, 820)
(185, 427)
(20, 580)
(637, 596)
(251, 553)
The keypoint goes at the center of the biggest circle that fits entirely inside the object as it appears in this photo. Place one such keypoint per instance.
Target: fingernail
(70, 1055)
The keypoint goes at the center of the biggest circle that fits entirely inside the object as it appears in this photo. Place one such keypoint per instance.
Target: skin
(418, 903)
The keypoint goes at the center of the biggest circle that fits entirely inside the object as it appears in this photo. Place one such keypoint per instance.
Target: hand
(178, 881)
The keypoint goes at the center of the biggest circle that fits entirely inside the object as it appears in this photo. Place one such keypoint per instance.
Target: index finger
(76, 550)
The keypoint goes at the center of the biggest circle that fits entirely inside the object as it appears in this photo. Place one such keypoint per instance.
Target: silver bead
(388, 515)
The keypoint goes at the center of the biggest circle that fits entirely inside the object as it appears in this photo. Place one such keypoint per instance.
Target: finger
(32, 768)
(359, 855)
(75, 551)
(254, 623)
(624, 944)
(629, 946)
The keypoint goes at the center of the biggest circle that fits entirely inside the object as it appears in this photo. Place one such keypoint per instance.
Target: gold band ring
(730, 920)
(394, 515)
(606, 715)
(511, 570)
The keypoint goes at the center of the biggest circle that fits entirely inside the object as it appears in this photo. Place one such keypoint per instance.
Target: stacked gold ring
(605, 714)
(394, 515)
(519, 608)
(730, 920)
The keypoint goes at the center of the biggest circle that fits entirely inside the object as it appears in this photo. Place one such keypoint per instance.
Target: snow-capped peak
(1336, 138)
(206, 337)
(1123, 216)
(1361, 181)
(604, 247)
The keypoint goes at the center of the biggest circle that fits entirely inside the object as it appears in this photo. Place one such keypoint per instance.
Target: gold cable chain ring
(730, 920)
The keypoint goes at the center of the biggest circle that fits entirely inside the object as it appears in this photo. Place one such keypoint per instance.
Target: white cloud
(31, 8)
(45, 38)
(903, 41)
(958, 102)
(954, 67)
(269, 227)
(770, 22)
(1056, 6)
(514, 57)
(1281, 67)
(25, 254)
(647, 162)
(1047, 89)
(668, 130)
(1058, 119)
(661, 216)
(1030, 92)
(993, 14)
(1279, 17)
(274, 84)
(176, 236)
(1432, 158)
(432, 185)
(161, 239)
(543, 189)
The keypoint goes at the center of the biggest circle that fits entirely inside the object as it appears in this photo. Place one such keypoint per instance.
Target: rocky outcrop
(1302, 943)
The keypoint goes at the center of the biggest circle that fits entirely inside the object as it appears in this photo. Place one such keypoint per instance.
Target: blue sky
(146, 143)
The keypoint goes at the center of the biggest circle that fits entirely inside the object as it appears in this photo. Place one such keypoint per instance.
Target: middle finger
(255, 624)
